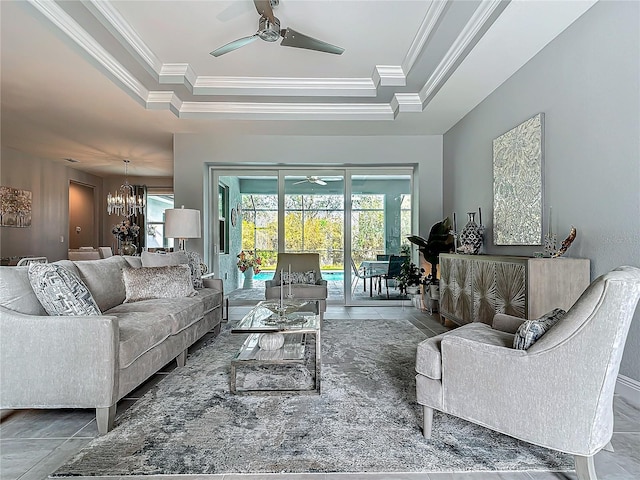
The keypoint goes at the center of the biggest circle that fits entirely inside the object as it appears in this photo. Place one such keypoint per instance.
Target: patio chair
(358, 273)
(558, 393)
(393, 272)
(316, 288)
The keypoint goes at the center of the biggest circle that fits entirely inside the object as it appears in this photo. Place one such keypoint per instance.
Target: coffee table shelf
(296, 326)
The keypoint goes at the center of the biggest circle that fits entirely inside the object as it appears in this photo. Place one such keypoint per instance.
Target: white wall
(586, 83)
(193, 152)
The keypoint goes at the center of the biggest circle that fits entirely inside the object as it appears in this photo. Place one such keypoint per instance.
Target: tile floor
(34, 443)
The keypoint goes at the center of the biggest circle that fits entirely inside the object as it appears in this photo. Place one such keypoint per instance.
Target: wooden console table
(473, 288)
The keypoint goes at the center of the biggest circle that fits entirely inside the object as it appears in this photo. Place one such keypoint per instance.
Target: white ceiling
(100, 81)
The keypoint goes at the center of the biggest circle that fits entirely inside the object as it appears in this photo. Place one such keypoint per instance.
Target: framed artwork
(517, 184)
(15, 207)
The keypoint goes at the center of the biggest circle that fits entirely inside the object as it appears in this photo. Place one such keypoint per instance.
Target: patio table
(374, 269)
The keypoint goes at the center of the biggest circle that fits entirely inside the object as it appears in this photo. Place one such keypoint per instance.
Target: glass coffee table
(278, 336)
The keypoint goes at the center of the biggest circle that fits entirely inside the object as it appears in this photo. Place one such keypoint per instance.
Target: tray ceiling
(116, 79)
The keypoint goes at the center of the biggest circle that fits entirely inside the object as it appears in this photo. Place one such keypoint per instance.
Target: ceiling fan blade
(320, 182)
(229, 47)
(264, 9)
(291, 38)
(301, 181)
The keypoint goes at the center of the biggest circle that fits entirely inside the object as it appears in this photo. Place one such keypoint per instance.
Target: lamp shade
(181, 223)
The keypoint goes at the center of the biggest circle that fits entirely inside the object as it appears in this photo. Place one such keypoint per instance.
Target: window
(158, 200)
(223, 215)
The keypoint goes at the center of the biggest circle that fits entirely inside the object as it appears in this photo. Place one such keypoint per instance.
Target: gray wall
(586, 83)
(49, 184)
(193, 152)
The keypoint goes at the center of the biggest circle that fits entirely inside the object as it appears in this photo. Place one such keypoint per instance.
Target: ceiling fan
(311, 179)
(269, 31)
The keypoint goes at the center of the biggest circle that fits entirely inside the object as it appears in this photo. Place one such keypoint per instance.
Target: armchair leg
(585, 468)
(427, 421)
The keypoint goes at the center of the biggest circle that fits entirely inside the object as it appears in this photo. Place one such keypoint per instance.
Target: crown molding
(164, 101)
(460, 47)
(389, 76)
(288, 87)
(177, 74)
(406, 103)
(285, 111)
(104, 60)
(426, 29)
(111, 19)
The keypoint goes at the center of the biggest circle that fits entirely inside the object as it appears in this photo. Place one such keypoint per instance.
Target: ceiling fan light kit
(269, 31)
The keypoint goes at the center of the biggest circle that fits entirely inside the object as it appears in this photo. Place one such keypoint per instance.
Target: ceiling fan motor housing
(269, 31)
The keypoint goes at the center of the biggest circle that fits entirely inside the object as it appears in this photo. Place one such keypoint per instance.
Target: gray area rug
(366, 419)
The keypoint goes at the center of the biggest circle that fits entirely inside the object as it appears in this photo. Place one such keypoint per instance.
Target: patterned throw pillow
(196, 271)
(531, 330)
(157, 282)
(60, 291)
(176, 258)
(300, 277)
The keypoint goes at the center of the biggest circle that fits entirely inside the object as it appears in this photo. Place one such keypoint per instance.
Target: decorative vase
(128, 248)
(413, 289)
(271, 341)
(471, 236)
(248, 278)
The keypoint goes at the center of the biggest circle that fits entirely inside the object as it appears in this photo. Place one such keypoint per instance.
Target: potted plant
(411, 277)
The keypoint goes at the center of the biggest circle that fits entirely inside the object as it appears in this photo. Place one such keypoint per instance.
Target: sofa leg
(105, 417)
(181, 359)
(427, 421)
(585, 468)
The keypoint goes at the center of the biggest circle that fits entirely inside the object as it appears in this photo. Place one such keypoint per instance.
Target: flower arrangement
(248, 260)
(126, 231)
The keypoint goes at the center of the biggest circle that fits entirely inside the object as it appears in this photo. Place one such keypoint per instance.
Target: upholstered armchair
(312, 286)
(557, 394)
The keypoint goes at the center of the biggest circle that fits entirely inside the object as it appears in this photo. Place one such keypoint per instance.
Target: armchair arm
(271, 283)
(57, 361)
(506, 323)
(321, 282)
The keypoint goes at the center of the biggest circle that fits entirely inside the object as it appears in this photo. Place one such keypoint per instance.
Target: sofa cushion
(164, 259)
(210, 299)
(531, 330)
(140, 330)
(16, 293)
(103, 277)
(60, 291)
(158, 282)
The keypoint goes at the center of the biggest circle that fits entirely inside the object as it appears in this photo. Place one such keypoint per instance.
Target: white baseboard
(628, 388)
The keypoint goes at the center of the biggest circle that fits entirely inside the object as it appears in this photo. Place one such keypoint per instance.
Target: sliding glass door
(354, 219)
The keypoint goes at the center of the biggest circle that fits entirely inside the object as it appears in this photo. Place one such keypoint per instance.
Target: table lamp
(181, 223)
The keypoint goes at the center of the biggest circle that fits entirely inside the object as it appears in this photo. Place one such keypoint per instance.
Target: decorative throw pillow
(299, 277)
(531, 330)
(176, 258)
(196, 270)
(157, 282)
(60, 291)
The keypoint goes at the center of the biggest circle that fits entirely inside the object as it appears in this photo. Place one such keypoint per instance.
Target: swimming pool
(332, 276)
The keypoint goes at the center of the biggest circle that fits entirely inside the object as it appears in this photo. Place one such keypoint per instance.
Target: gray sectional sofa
(92, 361)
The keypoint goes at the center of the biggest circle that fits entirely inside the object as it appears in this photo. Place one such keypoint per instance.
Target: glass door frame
(211, 232)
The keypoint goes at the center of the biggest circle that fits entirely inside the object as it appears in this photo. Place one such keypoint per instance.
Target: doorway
(82, 218)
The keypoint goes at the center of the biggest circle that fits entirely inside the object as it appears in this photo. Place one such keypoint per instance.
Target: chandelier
(125, 202)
